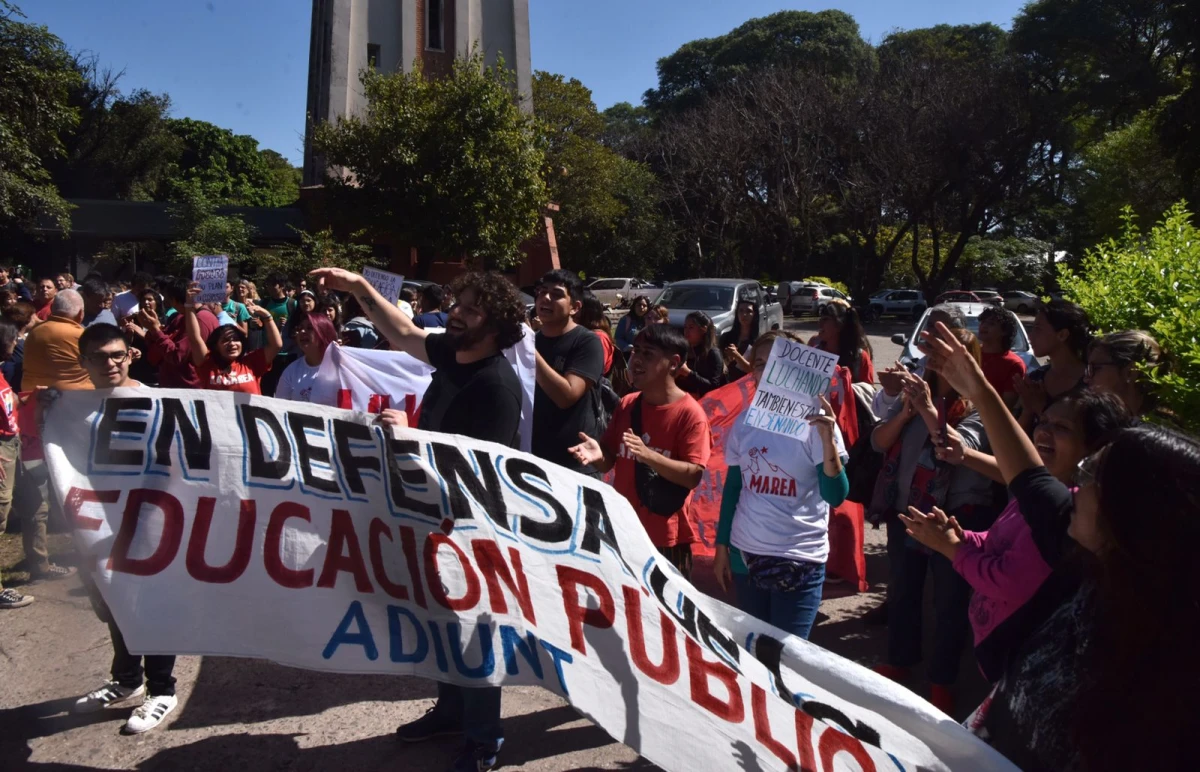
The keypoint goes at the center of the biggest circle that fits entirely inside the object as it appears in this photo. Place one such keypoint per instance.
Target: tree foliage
(37, 75)
(610, 220)
(827, 42)
(229, 167)
(1150, 281)
(451, 164)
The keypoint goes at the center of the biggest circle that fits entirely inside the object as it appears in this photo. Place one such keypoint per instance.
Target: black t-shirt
(481, 400)
(556, 430)
(1046, 505)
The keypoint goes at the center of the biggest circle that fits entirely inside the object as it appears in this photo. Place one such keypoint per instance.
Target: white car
(618, 292)
(1020, 301)
(811, 298)
(911, 355)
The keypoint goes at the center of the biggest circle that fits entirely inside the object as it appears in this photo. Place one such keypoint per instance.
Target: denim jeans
(906, 596)
(477, 708)
(793, 611)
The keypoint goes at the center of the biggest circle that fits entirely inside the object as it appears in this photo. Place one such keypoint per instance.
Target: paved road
(248, 714)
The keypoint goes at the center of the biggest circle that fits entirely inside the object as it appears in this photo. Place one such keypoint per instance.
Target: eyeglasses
(101, 358)
(1089, 370)
(1086, 470)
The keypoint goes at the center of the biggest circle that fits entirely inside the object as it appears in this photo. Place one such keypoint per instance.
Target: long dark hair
(591, 314)
(1147, 616)
(755, 325)
(852, 338)
(1065, 315)
(709, 341)
(214, 339)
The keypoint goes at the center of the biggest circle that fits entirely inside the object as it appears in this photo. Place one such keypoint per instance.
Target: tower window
(434, 25)
(373, 55)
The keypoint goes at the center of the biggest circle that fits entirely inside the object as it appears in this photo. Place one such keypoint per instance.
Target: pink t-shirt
(1003, 566)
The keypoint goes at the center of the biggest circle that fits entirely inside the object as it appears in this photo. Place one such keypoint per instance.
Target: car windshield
(701, 298)
(1020, 343)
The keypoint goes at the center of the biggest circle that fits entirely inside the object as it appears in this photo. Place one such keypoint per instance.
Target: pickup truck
(719, 298)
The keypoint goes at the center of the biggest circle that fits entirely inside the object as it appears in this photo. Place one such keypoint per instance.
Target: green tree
(229, 167)
(322, 249)
(205, 232)
(122, 147)
(1150, 282)
(826, 42)
(610, 219)
(451, 165)
(37, 75)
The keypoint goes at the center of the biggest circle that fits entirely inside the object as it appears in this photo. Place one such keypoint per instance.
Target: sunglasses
(1086, 470)
(1089, 370)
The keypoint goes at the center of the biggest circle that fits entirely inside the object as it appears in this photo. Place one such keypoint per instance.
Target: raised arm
(192, 325)
(391, 322)
(274, 343)
(1014, 451)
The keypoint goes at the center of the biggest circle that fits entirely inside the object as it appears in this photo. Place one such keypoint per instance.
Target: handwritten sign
(210, 273)
(795, 378)
(387, 283)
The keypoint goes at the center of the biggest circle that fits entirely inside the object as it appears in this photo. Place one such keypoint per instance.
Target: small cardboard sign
(211, 273)
(386, 283)
(794, 380)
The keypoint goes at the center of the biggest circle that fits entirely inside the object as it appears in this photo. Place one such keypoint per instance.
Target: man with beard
(476, 393)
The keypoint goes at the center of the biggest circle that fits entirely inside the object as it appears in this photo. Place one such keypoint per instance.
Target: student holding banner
(475, 392)
(223, 362)
(105, 355)
(658, 441)
(775, 511)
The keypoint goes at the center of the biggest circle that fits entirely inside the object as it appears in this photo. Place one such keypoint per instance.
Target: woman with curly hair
(1001, 365)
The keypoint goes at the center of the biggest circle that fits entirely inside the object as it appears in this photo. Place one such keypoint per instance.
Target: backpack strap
(635, 416)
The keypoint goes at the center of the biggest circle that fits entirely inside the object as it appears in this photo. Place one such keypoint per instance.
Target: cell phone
(943, 419)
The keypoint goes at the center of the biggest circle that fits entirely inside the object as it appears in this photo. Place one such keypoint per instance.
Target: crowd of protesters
(1055, 510)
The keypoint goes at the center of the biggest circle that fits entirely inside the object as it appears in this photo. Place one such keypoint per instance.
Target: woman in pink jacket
(1005, 565)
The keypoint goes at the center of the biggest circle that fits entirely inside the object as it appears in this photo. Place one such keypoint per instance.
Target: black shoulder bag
(659, 495)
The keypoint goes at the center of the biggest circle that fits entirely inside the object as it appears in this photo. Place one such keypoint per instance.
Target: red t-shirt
(10, 425)
(1000, 369)
(607, 342)
(679, 431)
(43, 313)
(244, 376)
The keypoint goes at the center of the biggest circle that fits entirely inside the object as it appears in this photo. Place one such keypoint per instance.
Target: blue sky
(243, 64)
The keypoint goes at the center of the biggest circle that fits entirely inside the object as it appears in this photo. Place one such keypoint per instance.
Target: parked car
(909, 303)
(719, 298)
(811, 298)
(618, 292)
(958, 296)
(991, 297)
(1020, 301)
(911, 356)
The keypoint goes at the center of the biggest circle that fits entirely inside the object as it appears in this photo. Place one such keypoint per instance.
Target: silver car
(811, 298)
(1020, 301)
(910, 356)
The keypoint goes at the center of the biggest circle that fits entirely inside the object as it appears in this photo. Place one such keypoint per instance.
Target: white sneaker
(106, 695)
(150, 714)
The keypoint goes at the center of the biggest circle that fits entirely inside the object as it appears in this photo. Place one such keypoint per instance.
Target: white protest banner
(795, 377)
(211, 272)
(386, 283)
(226, 524)
(372, 381)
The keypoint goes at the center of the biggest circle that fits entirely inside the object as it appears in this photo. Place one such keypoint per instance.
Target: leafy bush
(1150, 282)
